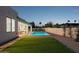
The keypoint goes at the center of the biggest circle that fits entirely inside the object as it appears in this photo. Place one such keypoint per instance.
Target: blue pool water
(39, 33)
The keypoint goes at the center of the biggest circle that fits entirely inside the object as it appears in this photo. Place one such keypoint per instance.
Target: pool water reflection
(39, 33)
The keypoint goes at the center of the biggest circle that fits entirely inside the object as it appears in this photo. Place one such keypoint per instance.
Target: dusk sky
(44, 14)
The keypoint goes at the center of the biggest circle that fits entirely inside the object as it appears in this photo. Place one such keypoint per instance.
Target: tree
(49, 24)
(33, 24)
(77, 37)
(40, 23)
(57, 25)
(75, 20)
(68, 21)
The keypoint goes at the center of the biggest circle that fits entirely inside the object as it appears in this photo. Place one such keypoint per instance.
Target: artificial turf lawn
(38, 45)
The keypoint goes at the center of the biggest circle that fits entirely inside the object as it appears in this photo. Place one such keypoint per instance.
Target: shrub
(77, 38)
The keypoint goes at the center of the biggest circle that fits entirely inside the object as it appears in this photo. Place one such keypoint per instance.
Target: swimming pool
(39, 33)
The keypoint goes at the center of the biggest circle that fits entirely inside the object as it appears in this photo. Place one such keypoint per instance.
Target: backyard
(38, 45)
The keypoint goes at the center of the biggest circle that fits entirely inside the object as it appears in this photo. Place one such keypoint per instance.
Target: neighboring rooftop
(70, 24)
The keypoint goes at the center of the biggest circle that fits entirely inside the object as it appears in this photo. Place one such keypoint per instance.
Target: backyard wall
(60, 31)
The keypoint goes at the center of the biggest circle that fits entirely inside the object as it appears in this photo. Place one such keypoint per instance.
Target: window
(8, 24)
(13, 25)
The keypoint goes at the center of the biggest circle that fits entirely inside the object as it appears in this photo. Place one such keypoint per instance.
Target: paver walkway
(70, 43)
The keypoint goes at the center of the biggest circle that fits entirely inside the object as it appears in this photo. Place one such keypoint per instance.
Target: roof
(8, 10)
(70, 24)
(22, 20)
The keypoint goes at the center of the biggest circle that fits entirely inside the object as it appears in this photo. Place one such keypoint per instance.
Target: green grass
(38, 45)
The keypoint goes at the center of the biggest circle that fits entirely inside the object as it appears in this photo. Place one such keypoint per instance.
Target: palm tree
(68, 21)
(40, 26)
(75, 21)
(40, 23)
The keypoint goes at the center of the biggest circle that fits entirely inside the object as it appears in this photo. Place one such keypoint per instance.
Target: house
(11, 26)
(24, 28)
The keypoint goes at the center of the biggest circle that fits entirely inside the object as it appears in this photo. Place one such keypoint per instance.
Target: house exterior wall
(23, 29)
(7, 12)
(29, 29)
